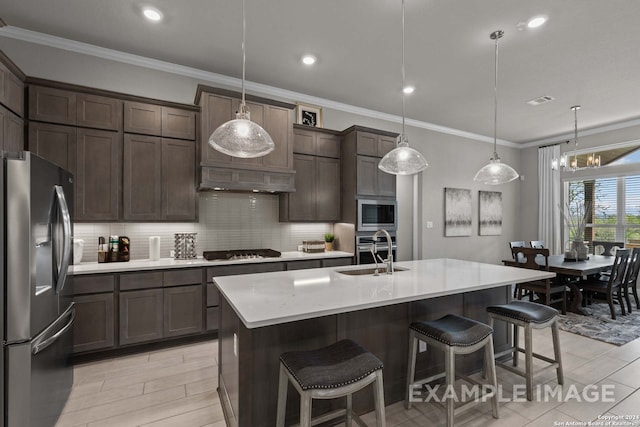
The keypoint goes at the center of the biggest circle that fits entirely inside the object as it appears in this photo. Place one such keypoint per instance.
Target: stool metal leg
(490, 363)
(282, 396)
(305, 409)
(411, 368)
(556, 352)
(528, 360)
(450, 373)
(378, 399)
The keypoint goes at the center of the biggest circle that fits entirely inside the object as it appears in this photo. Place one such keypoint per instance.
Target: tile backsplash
(227, 221)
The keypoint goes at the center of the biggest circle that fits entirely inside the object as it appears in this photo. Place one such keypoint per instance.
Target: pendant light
(495, 172)
(403, 160)
(241, 137)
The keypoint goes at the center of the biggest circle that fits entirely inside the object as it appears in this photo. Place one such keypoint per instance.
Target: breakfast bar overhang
(263, 315)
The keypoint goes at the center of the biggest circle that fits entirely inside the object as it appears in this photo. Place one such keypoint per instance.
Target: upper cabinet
(157, 120)
(316, 159)
(273, 172)
(11, 106)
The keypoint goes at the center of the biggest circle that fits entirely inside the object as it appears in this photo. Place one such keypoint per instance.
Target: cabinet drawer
(93, 284)
(301, 265)
(337, 262)
(52, 105)
(131, 281)
(213, 318)
(192, 276)
(213, 296)
(230, 270)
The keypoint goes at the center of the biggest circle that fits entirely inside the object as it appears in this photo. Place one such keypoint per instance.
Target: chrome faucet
(389, 259)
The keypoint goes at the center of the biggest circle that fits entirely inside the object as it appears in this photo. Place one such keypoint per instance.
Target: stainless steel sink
(369, 271)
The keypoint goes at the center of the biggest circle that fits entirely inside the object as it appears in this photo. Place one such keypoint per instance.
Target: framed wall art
(457, 212)
(309, 115)
(490, 213)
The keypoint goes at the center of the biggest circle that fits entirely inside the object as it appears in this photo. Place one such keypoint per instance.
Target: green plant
(329, 237)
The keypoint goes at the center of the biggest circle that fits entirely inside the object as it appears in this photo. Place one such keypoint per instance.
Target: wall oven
(374, 215)
(363, 248)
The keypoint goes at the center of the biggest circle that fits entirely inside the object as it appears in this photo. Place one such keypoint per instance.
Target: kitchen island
(263, 315)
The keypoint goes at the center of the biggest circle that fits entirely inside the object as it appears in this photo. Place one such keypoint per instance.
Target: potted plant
(328, 241)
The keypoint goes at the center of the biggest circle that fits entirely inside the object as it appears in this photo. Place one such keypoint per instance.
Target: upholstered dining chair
(548, 290)
(615, 283)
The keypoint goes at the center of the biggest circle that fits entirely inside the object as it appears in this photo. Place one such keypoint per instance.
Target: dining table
(571, 272)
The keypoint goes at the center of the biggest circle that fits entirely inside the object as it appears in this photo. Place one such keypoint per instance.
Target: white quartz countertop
(165, 263)
(266, 299)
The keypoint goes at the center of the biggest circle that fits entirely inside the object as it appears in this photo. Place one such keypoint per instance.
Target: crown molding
(168, 67)
(593, 131)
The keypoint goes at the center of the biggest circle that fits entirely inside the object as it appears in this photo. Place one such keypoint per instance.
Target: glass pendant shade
(242, 138)
(403, 160)
(495, 172)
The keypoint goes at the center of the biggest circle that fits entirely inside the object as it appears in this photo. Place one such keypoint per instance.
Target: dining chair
(516, 244)
(594, 287)
(631, 278)
(538, 259)
(606, 248)
(538, 244)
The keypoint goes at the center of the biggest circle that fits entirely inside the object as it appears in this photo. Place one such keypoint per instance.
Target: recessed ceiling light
(536, 21)
(308, 59)
(152, 14)
(408, 89)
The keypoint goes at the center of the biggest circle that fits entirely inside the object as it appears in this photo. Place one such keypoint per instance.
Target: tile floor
(176, 387)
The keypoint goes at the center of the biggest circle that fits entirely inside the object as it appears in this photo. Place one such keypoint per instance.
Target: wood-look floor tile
(206, 373)
(202, 386)
(588, 411)
(629, 406)
(158, 412)
(629, 375)
(154, 374)
(552, 417)
(597, 369)
(107, 410)
(122, 370)
(197, 418)
(86, 388)
(78, 402)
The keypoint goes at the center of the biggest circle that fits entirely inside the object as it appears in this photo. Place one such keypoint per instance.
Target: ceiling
(586, 54)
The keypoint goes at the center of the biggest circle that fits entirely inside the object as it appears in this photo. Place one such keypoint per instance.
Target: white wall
(453, 160)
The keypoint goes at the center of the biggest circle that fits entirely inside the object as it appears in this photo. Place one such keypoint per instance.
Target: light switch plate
(429, 224)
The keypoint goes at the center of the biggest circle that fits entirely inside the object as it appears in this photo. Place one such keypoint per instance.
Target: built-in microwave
(377, 214)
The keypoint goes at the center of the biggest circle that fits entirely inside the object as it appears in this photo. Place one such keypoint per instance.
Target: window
(613, 207)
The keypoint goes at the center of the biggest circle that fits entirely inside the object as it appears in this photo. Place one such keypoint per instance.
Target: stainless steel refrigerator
(37, 313)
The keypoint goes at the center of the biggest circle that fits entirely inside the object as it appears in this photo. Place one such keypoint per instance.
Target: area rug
(597, 324)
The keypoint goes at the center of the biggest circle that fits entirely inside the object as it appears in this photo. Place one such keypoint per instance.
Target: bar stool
(529, 315)
(454, 335)
(334, 371)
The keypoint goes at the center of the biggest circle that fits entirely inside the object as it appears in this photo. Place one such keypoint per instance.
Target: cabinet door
(52, 105)
(367, 175)
(55, 143)
(183, 310)
(367, 143)
(94, 325)
(385, 144)
(178, 123)
(386, 183)
(13, 133)
(328, 145)
(98, 175)
(327, 189)
(11, 91)
(304, 141)
(178, 180)
(142, 118)
(99, 112)
(279, 122)
(142, 188)
(216, 110)
(141, 316)
(302, 203)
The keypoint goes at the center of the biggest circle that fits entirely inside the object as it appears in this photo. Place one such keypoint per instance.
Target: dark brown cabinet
(55, 143)
(99, 112)
(371, 181)
(374, 144)
(272, 172)
(11, 131)
(98, 175)
(317, 165)
(182, 310)
(141, 316)
(47, 104)
(94, 325)
(159, 179)
(157, 120)
(11, 91)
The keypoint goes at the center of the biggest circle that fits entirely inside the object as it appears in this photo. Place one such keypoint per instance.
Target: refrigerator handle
(40, 343)
(66, 248)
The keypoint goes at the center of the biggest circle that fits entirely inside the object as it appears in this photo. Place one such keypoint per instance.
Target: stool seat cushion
(525, 311)
(453, 330)
(334, 366)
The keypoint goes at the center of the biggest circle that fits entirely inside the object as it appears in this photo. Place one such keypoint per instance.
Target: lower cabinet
(93, 328)
(141, 316)
(182, 310)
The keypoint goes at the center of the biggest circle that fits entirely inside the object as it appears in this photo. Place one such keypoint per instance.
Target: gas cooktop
(240, 254)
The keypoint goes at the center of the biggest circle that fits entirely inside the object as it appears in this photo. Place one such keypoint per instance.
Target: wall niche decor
(457, 212)
(489, 213)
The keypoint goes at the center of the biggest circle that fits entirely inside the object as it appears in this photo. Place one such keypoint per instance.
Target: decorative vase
(328, 246)
(577, 250)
